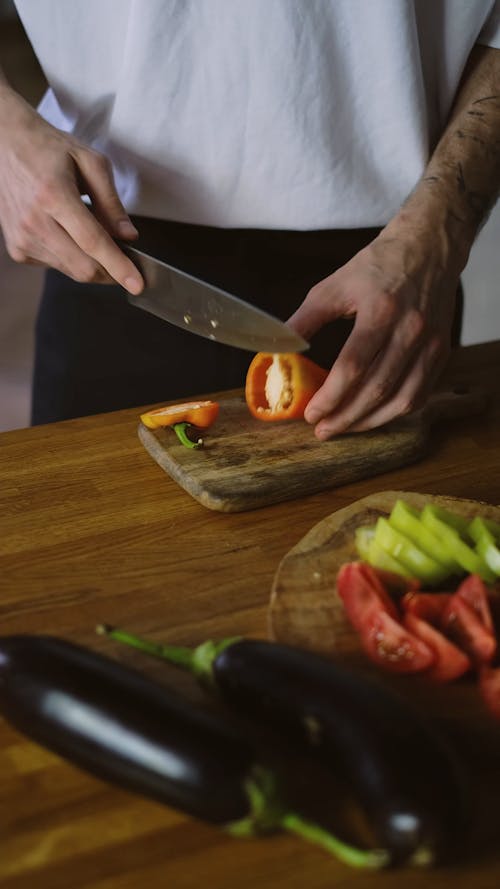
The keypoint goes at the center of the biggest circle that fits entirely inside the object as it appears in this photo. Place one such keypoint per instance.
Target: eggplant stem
(198, 661)
(267, 815)
(369, 859)
(175, 654)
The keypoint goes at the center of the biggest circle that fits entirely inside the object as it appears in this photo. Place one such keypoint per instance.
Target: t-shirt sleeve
(490, 32)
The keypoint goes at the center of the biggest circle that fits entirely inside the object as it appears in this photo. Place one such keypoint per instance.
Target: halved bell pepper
(199, 413)
(279, 386)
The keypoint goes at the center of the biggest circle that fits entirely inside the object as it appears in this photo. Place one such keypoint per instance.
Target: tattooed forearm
(461, 182)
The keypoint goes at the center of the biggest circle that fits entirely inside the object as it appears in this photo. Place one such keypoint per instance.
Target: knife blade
(203, 309)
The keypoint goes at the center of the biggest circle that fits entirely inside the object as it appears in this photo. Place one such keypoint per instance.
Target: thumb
(96, 171)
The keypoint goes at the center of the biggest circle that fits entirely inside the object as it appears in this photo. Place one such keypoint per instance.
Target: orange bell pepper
(198, 413)
(279, 386)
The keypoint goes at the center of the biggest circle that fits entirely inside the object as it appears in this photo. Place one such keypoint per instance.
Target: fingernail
(127, 229)
(133, 285)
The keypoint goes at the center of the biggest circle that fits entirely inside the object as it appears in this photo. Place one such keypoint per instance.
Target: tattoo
(461, 180)
(480, 204)
(462, 135)
(486, 99)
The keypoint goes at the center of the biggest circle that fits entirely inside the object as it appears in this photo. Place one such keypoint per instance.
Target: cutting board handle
(459, 400)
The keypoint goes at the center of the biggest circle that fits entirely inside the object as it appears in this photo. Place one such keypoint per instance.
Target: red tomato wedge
(489, 687)
(450, 662)
(375, 617)
(363, 593)
(474, 591)
(462, 624)
(395, 585)
(393, 646)
(428, 606)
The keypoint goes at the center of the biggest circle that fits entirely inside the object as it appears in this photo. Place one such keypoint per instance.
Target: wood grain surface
(247, 464)
(91, 530)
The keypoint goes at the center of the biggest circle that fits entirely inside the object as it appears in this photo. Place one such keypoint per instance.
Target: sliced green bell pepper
(486, 535)
(400, 547)
(454, 545)
(406, 519)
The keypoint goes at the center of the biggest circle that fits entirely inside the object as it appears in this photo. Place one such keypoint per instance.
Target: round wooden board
(306, 611)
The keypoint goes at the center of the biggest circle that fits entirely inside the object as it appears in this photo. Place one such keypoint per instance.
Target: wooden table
(92, 530)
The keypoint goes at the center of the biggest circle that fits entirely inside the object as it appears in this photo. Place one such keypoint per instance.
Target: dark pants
(94, 352)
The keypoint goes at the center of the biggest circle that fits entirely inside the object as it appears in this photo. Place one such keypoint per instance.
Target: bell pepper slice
(400, 547)
(370, 551)
(454, 545)
(198, 413)
(406, 519)
(486, 535)
(279, 386)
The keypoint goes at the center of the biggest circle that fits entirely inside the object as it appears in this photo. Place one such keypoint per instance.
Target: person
(330, 160)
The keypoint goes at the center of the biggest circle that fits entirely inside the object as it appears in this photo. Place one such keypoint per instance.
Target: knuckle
(90, 241)
(99, 161)
(85, 272)
(46, 193)
(415, 324)
(352, 370)
(387, 307)
(27, 222)
(380, 390)
(16, 252)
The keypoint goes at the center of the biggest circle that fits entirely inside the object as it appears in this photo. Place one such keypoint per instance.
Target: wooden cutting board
(305, 609)
(247, 463)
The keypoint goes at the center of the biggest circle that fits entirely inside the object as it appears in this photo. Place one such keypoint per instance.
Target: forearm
(461, 182)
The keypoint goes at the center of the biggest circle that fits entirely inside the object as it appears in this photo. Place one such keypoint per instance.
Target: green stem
(369, 859)
(267, 815)
(198, 661)
(181, 431)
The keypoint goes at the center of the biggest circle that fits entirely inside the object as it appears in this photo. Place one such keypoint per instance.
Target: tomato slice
(489, 687)
(394, 647)
(374, 615)
(362, 593)
(474, 591)
(428, 606)
(461, 622)
(450, 662)
(396, 585)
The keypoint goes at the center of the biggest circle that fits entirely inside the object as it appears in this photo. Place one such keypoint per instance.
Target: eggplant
(402, 774)
(132, 732)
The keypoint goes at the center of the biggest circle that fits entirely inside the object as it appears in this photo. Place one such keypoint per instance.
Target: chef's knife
(198, 307)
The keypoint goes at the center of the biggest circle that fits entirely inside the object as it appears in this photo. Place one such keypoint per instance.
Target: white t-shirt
(288, 114)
